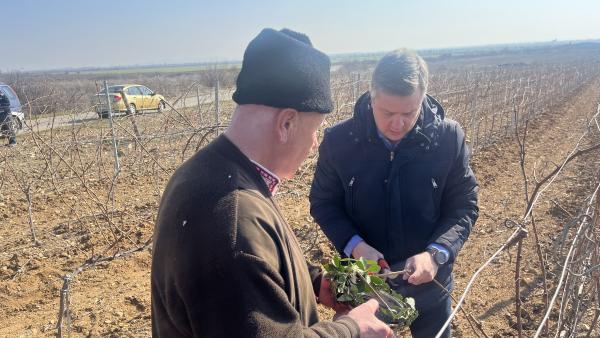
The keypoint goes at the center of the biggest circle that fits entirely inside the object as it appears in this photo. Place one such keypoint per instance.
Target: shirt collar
(269, 177)
(388, 144)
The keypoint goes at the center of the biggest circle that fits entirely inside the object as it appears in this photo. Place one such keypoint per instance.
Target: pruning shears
(387, 273)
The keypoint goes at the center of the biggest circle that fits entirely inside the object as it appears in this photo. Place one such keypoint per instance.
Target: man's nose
(397, 123)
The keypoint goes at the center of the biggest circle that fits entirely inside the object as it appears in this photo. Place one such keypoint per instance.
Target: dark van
(15, 105)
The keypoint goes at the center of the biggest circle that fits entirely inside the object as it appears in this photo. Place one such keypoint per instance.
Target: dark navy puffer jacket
(398, 201)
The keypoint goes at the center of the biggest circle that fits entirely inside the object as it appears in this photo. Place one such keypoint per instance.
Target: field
(76, 228)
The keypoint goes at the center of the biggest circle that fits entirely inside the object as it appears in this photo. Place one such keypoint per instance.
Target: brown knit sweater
(225, 263)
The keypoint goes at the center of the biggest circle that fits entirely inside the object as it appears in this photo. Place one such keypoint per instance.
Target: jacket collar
(248, 176)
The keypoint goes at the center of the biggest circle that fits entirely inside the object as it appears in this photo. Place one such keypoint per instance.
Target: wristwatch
(439, 257)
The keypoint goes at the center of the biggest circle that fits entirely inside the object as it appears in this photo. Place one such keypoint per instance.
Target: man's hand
(362, 249)
(423, 268)
(369, 325)
(328, 299)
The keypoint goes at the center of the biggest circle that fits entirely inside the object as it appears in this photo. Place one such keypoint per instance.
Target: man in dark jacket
(225, 262)
(393, 184)
(6, 123)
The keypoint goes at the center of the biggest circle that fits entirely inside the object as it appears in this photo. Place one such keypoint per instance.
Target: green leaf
(373, 267)
(378, 281)
(336, 261)
(344, 298)
(361, 263)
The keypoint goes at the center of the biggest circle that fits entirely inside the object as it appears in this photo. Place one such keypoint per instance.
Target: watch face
(439, 257)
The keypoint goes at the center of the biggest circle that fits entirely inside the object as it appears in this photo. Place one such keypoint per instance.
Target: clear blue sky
(62, 33)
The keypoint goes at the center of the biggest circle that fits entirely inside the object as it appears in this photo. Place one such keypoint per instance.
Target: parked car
(139, 98)
(15, 105)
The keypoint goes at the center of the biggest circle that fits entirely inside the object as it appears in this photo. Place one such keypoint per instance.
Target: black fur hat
(282, 69)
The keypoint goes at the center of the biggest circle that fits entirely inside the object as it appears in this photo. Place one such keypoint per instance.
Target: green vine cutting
(354, 281)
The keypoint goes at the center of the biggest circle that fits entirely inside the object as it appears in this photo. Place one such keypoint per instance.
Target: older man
(226, 263)
(393, 184)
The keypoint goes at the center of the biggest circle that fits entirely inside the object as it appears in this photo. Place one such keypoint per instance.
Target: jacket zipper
(351, 193)
(434, 192)
(387, 199)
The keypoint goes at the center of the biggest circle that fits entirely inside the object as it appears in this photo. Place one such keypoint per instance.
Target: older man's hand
(369, 325)
(421, 268)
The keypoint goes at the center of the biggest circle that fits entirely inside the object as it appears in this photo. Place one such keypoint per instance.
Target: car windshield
(8, 92)
(145, 90)
(113, 89)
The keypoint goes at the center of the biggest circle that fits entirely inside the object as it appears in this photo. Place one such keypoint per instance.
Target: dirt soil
(113, 299)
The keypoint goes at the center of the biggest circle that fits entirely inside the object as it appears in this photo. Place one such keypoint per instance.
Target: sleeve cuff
(350, 324)
(352, 243)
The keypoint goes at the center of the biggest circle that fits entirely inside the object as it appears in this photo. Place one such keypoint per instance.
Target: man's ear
(286, 123)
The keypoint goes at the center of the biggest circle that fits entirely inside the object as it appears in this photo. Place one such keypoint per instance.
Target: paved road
(45, 123)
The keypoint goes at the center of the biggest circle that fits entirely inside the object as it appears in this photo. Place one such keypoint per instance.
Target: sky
(55, 34)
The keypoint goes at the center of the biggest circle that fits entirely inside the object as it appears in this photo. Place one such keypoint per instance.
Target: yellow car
(139, 98)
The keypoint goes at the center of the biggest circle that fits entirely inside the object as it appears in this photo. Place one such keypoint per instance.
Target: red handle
(383, 264)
